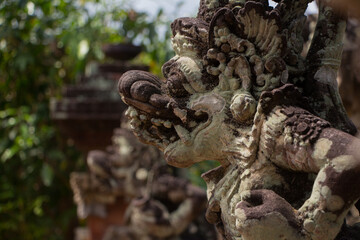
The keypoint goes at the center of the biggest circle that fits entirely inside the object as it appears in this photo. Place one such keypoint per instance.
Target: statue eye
(167, 67)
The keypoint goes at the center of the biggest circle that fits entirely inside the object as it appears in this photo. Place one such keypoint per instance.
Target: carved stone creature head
(213, 84)
(207, 106)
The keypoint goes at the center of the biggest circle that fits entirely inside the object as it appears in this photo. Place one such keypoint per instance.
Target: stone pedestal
(82, 233)
(114, 218)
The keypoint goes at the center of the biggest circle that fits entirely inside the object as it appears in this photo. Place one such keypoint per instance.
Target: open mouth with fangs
(155, 117)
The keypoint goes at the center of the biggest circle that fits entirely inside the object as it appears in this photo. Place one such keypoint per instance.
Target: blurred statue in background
(239, 92)
(129, 193)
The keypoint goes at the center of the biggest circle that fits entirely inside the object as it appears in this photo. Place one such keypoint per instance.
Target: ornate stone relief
(239, 92)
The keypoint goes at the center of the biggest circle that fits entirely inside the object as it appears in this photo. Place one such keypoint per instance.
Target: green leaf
(47, 174)
(38, 205)
(9, 153)
(6, 195)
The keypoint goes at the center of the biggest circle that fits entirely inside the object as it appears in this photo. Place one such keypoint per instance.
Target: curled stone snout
(142, 90)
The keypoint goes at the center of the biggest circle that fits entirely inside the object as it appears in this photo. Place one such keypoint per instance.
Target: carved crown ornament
(239, 92)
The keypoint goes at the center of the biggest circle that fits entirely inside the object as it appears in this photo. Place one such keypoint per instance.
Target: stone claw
(264, 209)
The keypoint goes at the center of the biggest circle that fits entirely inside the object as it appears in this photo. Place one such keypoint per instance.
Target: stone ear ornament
(243, 107)
(239, 92)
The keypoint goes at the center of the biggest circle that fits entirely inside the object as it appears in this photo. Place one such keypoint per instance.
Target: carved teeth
(157, 122)
(180, 114)
(223, 31)
(127, 112)
(133, 114)
(192, 124)
(167, 124)
(183, 133)
(198, 113)
(166, 142)
(135, 122)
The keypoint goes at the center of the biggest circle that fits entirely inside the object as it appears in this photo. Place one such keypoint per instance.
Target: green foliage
(195, 171)
(157, 46)
(127, 26)
(35, 200)
(45, 44)
(41, 48)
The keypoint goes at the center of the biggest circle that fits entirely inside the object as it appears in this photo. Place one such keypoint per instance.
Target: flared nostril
(159, 101)
(142, 91)
(255, 201)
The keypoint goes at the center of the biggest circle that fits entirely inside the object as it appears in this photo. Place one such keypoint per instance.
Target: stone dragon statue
(239, 92)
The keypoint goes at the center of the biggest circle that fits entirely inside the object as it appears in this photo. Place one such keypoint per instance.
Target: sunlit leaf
(47, 174)
(9, 153)
(38, 206)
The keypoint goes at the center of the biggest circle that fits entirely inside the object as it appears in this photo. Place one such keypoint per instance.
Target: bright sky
(188, 9)
(171, 8)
